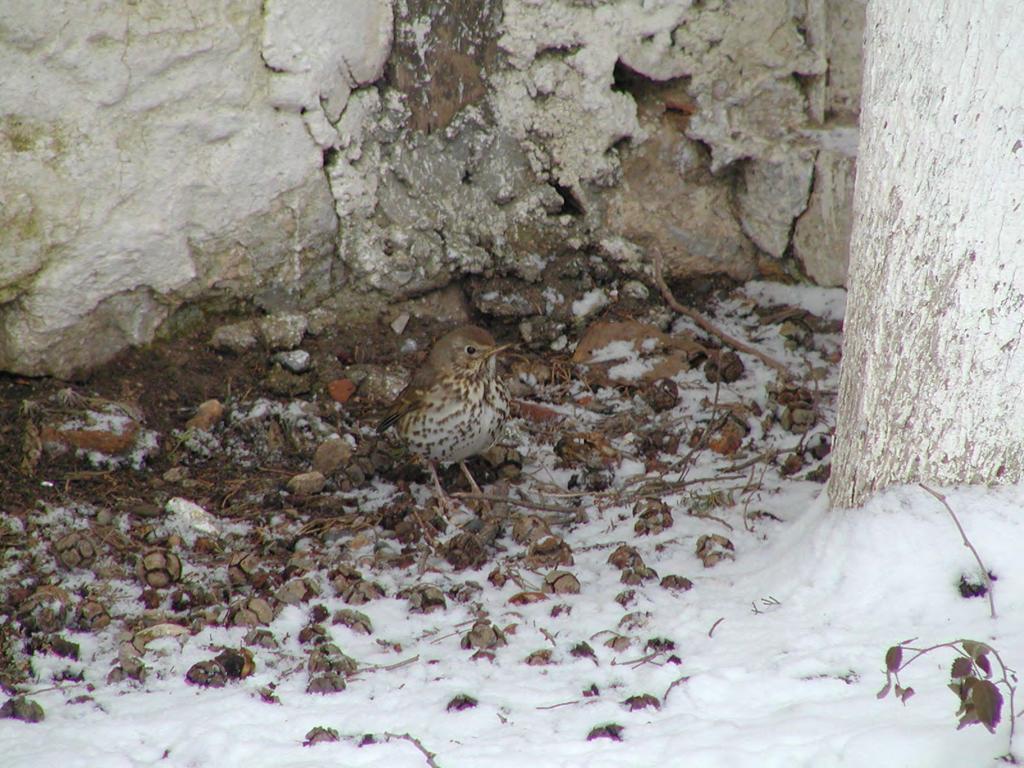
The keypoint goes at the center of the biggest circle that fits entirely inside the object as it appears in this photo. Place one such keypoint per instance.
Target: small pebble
(296, 360)
(399, 323)
(190, 515)
(236, 337)
(283, 331)
(175, 474)
(320, 319)
(330, 455)
(207, 414)
(307, 483)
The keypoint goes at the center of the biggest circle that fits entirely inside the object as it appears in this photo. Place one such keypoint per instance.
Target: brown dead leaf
(668, 355)
(539, 658)
(537, 413)
(713, 548)
(728, 440)
(602, 333)
(526, 598)
(102, 440)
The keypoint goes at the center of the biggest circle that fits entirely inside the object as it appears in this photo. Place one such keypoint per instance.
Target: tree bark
(932, 381)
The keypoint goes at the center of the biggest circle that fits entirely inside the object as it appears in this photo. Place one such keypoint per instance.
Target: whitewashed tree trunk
(932, 383)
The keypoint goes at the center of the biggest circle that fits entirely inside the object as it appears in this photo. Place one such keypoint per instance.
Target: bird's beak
(499, 349)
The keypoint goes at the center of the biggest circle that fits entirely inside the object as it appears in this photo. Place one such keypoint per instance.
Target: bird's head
(467, 349)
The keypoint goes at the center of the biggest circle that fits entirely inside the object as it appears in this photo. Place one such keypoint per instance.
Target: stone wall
(159, 159)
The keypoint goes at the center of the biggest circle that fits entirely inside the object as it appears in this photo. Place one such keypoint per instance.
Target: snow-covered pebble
(188, 517)
(294, 360)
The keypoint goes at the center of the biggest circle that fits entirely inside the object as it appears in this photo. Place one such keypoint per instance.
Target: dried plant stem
(708, 326)
(967, 543)
(416, 743)
(677, 681)
(560, 704)
(1007, 674)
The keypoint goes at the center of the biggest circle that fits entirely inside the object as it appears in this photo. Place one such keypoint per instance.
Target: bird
(455, 406)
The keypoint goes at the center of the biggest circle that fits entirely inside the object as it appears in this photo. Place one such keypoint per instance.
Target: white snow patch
(824, 302)
(590, 302)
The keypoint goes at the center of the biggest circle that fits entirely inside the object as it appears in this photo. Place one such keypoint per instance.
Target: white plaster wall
(149, 156)
(157, 154)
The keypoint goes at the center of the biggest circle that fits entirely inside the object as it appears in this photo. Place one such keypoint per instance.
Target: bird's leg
(443, 499)
(469, 476)
(472, 484)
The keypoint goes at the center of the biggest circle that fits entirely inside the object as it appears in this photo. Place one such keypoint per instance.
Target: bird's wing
(405, 402)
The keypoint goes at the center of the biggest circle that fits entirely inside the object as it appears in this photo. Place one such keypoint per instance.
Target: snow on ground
(792, 684)
(773, 658)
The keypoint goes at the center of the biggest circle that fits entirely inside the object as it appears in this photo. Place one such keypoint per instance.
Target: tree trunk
(932, 382)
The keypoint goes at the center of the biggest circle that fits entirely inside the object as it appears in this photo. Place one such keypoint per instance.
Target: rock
(375, 382)
(330, 455)
(283, 331)
(399, 323)
(187, 516)
(296, 360)
(634, 289)
(85, 280)
(774, 192)
(508, 300)
(207, 415)
(504, 136)
(307, 483)
(235, 337)
(822, 237)
(320, 319)
(844, 35)
(448, 306)
(748, 101)
(669, 200)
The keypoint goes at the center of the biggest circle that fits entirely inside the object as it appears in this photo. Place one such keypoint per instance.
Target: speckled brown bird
(456, 405)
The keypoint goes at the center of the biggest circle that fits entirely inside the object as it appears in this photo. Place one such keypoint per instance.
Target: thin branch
(967, 543)
(710, 327)
(715, 626)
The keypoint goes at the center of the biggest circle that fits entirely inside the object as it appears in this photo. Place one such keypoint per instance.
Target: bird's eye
(470, 350)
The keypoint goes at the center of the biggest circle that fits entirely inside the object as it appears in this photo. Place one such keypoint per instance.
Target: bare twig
(518, 502)
(765, 456)
(416, 743)
(715, 626)
(710, 327)
(967, 543)
(562, 704)
(677, 681)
